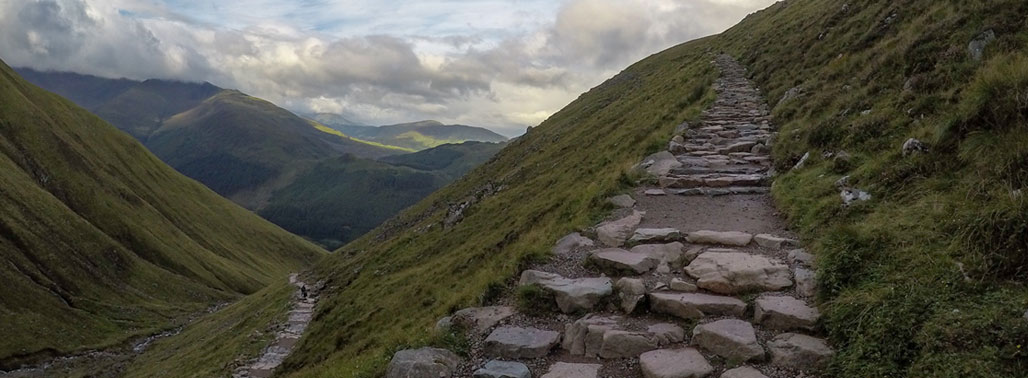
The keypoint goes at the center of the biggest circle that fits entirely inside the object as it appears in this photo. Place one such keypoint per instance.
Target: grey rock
(584, 337)
(655, 192)
(655, 235)
(517, 342)
(677, 284)
(444, 324)
(666, 333)
(617, 260)
(976, 48)
(422, 363)
(774, 242)
(760, 149)
(803, 161)
(660, 164)
(623, 201)
(625, 344)
(842, 182)
(569, 243)
(674, 363)
(735, 272)
(733, 339)
(482, 319)
(806, 285)
(733, 238)
(681, 128)
(798, 351)
(670, 255)
(849, 196)
(801, 256)
(695, 305)
(567, 370)
(631, 291)
(503, 369)
(615, 232)
(743, 372)
(789, 95)
(784, 313)
(678, 139)
(572, 295)
(913, 146)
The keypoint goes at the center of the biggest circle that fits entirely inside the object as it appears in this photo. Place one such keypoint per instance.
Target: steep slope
(141, 109)
(460, 246)
(420, 135)
(101, 242)
(87, 91)
(451, 160)
(925, 279)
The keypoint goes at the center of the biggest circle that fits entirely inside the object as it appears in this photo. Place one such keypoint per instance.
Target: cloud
(499, 64)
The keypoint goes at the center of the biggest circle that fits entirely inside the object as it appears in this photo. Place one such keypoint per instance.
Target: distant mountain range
(289, 169)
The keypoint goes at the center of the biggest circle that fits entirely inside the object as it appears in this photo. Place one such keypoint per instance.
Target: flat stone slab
(732, 238)
(618, 260)
(568, 243)
(568, 370)
(733, 339)
(674, 363)
(481, 319)
(655, 235)
(503, 369)
(615, 232)
(518, 342)
(655, 192)
(625, 344)
(695, 305)
(677, 284)
(802, 257)
(798, 351)
(660, 164)
(666, 333)
(774, 242)
(422, 363)
(571, 295)
(743, 372)
(670, 255)
(623, 201)
(735, 272)
(784, 313)
(630, 291)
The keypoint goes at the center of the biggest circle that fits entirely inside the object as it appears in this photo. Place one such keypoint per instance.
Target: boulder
(796, 351)
(655, 235)
(615, 232)
(806, 286)
(849, 196)
(733, 339)
(444, 324)
(422, 363)
(913, 146)
(570, 242)
(670, 255)
(660, 164)
(625, 344)
(774, 242)
(572, 295)
(666, 333)
(801, 257)
(630, 292)
(784, 313)
(976, 48)
(584, 337)
(735, 272)
(567, 370)
(674, 363)
(743, 372)
(677, 284)
(681, 128)
(481, 319)
(678, 139)
(623, 201)
(518, 342)
(503, 369)
(616, 260)
(734, 238)
(695, 305)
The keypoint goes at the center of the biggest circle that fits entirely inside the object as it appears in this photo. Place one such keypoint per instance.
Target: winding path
(299, 317)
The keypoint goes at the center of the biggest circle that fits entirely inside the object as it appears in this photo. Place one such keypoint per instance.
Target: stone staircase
(303, 301)
(668, 289)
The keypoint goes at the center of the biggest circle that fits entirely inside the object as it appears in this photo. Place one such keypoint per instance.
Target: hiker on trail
(303, 291)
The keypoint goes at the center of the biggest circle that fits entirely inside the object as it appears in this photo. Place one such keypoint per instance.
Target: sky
(499, 64)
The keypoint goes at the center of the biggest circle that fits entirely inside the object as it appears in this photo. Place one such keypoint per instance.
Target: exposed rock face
(732, 238)
(734, 272)
(481, 319)
(503, 369)
(572, 295)
(615, 232)
(976, 48)
(743, 372)
(660, 164)
(566, 370)
(655, 235)
(798, 351)
(630, 291)
(517, 342)
(733, 339)
(785, 313)
(568, 243)
(674, 363)
(913, 146)
(695, 305)
(616, 260)
(622, 201)
(422, 363)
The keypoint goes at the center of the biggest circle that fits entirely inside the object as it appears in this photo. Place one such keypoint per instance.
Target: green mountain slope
(419, 135)
(451, 160)
(924, 280)
(101, 242)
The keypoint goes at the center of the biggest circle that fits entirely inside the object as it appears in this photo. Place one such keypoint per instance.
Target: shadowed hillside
(419, 135)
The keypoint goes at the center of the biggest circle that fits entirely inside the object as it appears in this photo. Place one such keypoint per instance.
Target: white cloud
(499, 64)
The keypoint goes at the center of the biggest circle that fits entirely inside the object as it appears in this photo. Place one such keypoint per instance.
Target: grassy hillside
(451, 160)
(928, 278)
(387, 289)
(101, 242)
(420, 135)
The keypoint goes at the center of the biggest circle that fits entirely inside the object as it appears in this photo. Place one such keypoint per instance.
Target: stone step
(711, 180)
(617, 261)
(784, 313)
(674, 363)
(733, 339)
(695, 305)
(715, 192)
(520, 342)
(571, 295)
(607, 337)
(502, 369)
(800, 352)
(573, 370)
(737, 272)
(730, 238)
